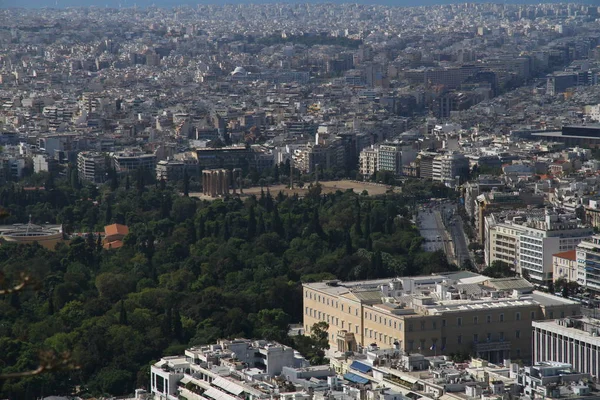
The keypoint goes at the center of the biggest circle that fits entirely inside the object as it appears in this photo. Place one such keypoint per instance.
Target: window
(562, 314)
(422, 325)
(459, 321)
(518, 353)
(475, 320)
(342, 324)
(551, 314)
(518, 316)
(422, 344)
(410, 345)
(443, 322)
(475, 337)
(395, 324)
(517, 334)
(489, 337)
(443, 344)
(488, 319)
(501, 334)
(342, 308)
(349, 310)
(501, 317)
(306, 310)
(434, 324)
(459, 339)
(533, 315)
(410, 327)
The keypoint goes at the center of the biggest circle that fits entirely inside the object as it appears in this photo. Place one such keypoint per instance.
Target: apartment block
(368, 162)
(133, 160)
(227, 370)
(438, 314)
(529, 239)
(588, 263)
(91, 167)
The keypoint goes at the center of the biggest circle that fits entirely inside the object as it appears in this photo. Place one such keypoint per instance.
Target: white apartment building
(528, 240)
(91, 167)
(237, 369)
(588, 263)
(448, 167)
(368, 162)
(573, 340)
(501, 241)
(390, 158)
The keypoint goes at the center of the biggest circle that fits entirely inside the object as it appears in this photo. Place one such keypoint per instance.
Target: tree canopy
(189, 272)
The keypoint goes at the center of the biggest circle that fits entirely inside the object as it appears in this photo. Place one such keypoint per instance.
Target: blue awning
(355, 378)
(364, 368)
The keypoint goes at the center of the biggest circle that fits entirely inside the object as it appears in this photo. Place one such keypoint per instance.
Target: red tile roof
(116, 229)
(568, 255)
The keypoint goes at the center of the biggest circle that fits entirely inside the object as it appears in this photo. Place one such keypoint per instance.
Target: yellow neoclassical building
(438, 314)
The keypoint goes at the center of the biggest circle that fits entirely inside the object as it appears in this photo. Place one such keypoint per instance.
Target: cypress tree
(122, 314)
(186, 184)
(251, 224)
(177, 325)
(276, 225)
(260, 229)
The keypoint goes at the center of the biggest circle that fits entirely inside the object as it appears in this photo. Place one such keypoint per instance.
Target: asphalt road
(451, 236)
(461, 248)
(430, 229)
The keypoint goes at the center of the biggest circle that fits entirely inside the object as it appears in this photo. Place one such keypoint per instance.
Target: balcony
(482, 347)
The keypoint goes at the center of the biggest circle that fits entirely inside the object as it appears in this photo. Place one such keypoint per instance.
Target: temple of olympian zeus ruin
(216, 182)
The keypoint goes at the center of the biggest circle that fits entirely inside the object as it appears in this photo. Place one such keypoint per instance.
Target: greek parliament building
(573, 340)
(437, 314)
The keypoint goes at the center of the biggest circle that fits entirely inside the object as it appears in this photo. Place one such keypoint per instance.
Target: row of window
(330, 302)
(330, 319)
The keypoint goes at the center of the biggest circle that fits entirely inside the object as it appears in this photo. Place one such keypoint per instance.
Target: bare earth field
(373, 189)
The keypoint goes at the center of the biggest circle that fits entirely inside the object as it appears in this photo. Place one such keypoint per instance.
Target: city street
(448, 236)
(431, 229)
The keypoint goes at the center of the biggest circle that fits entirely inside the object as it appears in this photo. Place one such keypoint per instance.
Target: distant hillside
(172, 3)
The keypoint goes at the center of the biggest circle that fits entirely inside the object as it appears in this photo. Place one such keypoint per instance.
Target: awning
(217, 394)
(364, 368)
(355, 378)
(228, 386)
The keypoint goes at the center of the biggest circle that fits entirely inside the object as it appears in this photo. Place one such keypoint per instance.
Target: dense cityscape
(300, 202)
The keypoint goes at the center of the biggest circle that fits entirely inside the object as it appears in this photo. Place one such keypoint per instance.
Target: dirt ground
(373, 189)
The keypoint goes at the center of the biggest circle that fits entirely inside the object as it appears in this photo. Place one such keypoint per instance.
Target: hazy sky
(170, 3)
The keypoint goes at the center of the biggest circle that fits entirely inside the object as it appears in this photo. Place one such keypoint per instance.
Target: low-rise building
(571, 340)
(564, 266)
(227, 370)
(438, 314)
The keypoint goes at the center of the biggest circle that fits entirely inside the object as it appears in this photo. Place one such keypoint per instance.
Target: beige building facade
(488, 318)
